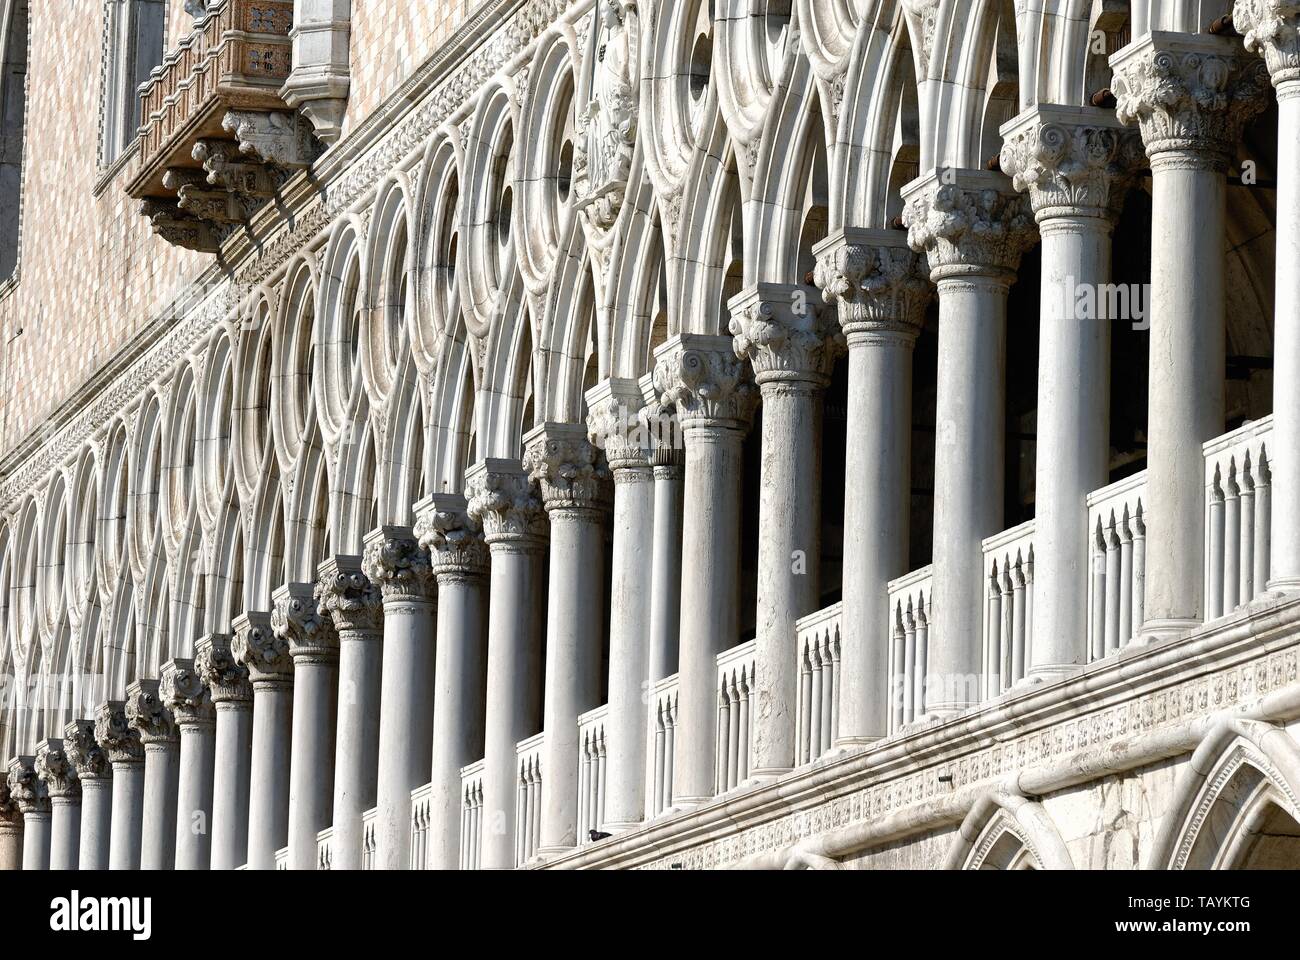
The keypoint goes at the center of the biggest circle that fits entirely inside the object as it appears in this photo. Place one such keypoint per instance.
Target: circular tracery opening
(395, 314)
(701, 66)
(564, 174)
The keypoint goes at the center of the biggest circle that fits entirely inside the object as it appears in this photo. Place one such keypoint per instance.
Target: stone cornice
(785, 333)
(567, 468)
(115, 736)
(704, 382)
(182, 689)
(148, 715)
(968, 223)
(26, 789)
(345, 593)
(879, 282)
(261, 650)
(1272, 29)
(398, 565)
(225, 677)
(454, 540)
(57, 771)
(503, 500)
(308, 630)
(84, 751)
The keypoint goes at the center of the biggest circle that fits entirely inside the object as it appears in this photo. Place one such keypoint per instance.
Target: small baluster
(1018, 620)
(824, 651)
(919, 665)
(993, 636)
(1263, 518)
(1097, 621)
(1231, 539)
(1125, 577)
(1246, 556)
(1214, 549)
(743, 691)
(1112, 585)
(899, 686)
(803, 736)
(1139, 569)
(909, 659)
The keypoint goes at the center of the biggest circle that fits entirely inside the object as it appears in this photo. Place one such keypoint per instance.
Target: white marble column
(668, 461)
(791, 343)
(502, 500)
(270, 670)
(232, 697)
(356, 608)
(187, 697)
(461, 562)
(973, 228)
(879, 285)
(27, 790)
(574, 483)
(1073, 162)
(400, 567)
(96, 777)
(614, 426)
(1272, 29)
(1191, 95)
(702, 380)
(314, 647)
(11, 829)
(59, 775)
(121, 744)
(149, 716)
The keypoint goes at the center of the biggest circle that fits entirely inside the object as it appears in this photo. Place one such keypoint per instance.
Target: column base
(765, 774)
(1283, 586)
(555, 850)
(1048, 673)
(621, 827)
(1153, 631)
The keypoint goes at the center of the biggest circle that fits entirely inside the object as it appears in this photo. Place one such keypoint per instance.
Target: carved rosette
(307, 629)
(224, 676)
(57, 771)
(454, 540)
(967, 222)
(84, 752)
(182, 689)
(615, 426)
(148, 715)
(395, 561)
(1272, 28)
(785, 334)
(503, 500)
(345, 593)
(114, 734)
(704, 382)
(877, 280)
(26, 788)
(1191, 95)
(261, 650)
(567, 468)
(1073, 162)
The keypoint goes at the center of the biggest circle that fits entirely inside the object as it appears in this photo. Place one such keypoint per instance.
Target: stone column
(1191, 96)
(314, 646)
(400, 568)
(973, 228)
(502, 501)
(59, 775)
(356, 608)
(1272, 29)
(121, 744)
(1074, 163)
(668, 461)
(791, 343)
(96, 778)
(27, 790)
(149, 716)
(187, 697)
(270, 669)
(614, 425)
(702, 379)
(574, 487)
(461, 563)
(11, 830)
(232, 698)
(879, 285)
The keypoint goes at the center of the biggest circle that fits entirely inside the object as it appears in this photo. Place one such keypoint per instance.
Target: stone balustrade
(421, 803)
(325, 849)
(1117, 525)
(370, 838)
(528, 802)
(817, 653)
(1008, 606)
(592, 772)
(908, 636)
(471, 816)
(736, 696)
(1238, 499)
(663, 708)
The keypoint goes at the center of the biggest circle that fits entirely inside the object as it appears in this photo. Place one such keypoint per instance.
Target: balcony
(216, 139)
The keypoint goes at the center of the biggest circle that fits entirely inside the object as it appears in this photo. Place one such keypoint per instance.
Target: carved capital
(83, 750)
(878, 281)
(663, 431)
(26, 789)
(57, 771)
(10, 816)
(454, 539)
(1191, 94)
(614, 424)
(307, 629)
(785, 334)
(183, 691)
(225, 677)
(115, 736)
(348, 597)
(967, 222)
(1272, 29)
(503, 500)
(261, 650)
(1072, 161)
(704, 382)
(567, 467)
(395, 561)
(148, 715)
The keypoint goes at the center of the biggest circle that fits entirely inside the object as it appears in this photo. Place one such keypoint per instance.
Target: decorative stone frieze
(704, 381)
(224, 676)
(503, 500)
(1072, 161)
(785, 334)
(453, 538)
(967, 222)
(876, 279)
(148, 715)
(615, 425)
(184, 693)
(1191, 94)
(567, 468)
(26, 788)
(116, 737)
(83, 750)
(398, 565)
(307, 629)
(1271, 28)
(57, 771)
(261, 650)
(347, 595)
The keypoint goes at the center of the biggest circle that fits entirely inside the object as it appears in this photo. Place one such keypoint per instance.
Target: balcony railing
(471, 815)
(817, 649)
(282, 858)
(664, 707)
(1117, 587)
(908, 633)
(1238, 489)
(369, 840)
(1008, 606)
(421, 801)
(325, 849)
(591, 772)
(735, 685)
(528, 802)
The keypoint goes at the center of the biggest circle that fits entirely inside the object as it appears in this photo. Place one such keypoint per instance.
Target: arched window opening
(13, 116)
(133, 46)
